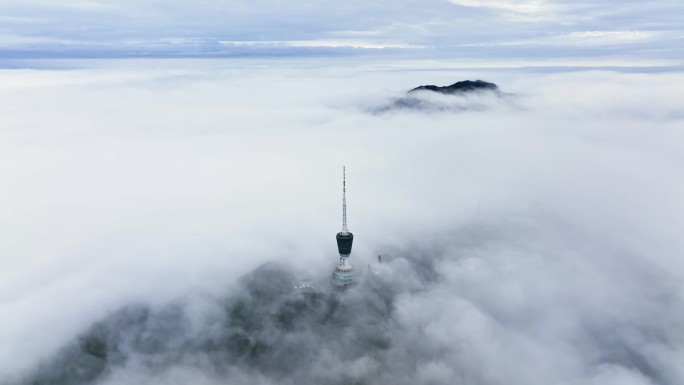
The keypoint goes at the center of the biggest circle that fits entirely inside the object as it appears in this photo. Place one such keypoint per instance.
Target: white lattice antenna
(344, 200)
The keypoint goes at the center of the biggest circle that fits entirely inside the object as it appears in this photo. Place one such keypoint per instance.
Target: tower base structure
(343, 276)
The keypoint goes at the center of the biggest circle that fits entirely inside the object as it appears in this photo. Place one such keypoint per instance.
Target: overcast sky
(502, 29)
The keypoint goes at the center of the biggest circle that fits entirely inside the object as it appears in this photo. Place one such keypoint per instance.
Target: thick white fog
(528, 242)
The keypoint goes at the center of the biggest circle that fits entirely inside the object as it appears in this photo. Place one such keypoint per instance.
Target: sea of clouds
(534, 244)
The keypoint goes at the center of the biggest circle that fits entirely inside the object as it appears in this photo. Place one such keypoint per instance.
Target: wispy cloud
(86, 5)
(527, 7)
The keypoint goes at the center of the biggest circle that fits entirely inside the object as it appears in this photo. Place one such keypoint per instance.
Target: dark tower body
(344, 243)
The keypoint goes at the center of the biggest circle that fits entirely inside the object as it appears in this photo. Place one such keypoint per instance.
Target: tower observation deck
(344, 275)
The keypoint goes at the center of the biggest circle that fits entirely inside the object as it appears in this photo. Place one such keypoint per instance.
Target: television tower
(344, 274)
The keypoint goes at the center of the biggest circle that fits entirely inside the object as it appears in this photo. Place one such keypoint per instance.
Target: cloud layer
(524, 246)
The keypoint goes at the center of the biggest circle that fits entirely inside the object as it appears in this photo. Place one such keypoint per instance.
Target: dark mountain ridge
(460, 87)
(466, 95)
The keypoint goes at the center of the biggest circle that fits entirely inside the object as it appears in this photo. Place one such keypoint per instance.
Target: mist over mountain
(466, 95)
(412, 319)
(528, 246)
(267, 330)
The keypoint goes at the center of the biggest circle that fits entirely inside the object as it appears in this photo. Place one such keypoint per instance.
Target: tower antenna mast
(344, 200)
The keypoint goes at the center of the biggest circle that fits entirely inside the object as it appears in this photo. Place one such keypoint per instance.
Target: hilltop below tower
(344, 274)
